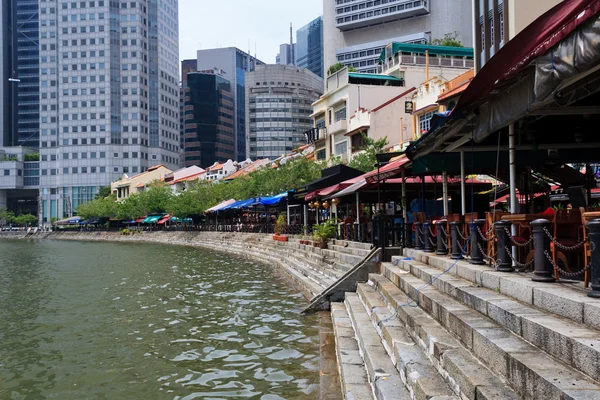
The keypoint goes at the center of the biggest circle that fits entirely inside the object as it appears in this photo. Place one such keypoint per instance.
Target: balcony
(445, 62)
(358, 14)
(338, 126)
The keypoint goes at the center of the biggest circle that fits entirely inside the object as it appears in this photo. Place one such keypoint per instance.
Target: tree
(104, 207)
(338, 67)
(366, 160)
(26, 220)
(449, 39)
(104, 192)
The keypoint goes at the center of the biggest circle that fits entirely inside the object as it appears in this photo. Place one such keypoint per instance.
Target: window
(6, 172)
(425, 122)
(340, 114)
(341, 148)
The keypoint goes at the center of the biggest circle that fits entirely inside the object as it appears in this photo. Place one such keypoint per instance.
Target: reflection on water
(124, 321)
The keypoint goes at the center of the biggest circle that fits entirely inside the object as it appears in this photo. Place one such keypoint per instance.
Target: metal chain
(460, 234)
(518, 264)
(562, 246)
(527, 243)
(483, 253)
(444, 231)
(432, 242)
(484, 237)
(562, 271)
(431, 231)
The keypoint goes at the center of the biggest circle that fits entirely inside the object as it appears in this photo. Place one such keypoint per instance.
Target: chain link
(431, 231)
(518, 264)
(483, 253)
(434, 244)
(444, 231)
(484, 237)
(562, 271)
(460, 234)
(562, 246)
(512, 239)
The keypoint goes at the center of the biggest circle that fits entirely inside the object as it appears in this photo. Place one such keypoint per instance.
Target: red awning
(533, 41)
(311, 195)
(332, 189)
(139, 220)
(164, 219)
(387, 171)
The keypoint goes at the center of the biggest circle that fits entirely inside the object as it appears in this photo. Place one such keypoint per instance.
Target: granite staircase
(428, 327)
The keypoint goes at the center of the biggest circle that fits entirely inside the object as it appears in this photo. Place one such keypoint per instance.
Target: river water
(139, 321)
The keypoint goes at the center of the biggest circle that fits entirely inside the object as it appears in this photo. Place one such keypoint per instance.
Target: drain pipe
(514, 202)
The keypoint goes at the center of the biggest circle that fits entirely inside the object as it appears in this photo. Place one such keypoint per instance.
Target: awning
(140, 220)
(221, 205)
(68, 221)
(351, 189)
(389, 170)
(164, 219)
(151, 220)
(242, 204)
(269, 201)
(533, 41)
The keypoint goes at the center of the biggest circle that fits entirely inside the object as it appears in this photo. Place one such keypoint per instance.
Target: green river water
(144, 321)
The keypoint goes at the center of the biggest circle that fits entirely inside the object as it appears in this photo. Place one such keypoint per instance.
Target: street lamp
(14, 80)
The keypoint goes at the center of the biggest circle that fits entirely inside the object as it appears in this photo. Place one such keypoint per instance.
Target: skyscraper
(208, 119)
(286, 54)
(309, 48)
(279, 104)
(109, 96)
(355, 34)
(234, 63)
(7, 68)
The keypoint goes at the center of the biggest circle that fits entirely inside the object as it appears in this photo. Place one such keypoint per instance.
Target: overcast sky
(206, 24)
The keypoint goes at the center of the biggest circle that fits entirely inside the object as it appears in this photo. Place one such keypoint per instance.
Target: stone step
(353, 376)
(566, 298)
(349, 250)
(531, 372)
(418, 374)
(462, 371)
(569, 341)
(354, 245)
(383, 376)
(323, 280)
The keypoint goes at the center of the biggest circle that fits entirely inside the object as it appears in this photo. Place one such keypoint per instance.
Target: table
(526, 217)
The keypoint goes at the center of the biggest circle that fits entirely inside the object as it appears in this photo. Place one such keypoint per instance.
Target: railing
(450, 62)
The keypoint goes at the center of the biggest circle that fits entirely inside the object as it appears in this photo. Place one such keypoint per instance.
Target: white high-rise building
(109, 96)
(355, 32)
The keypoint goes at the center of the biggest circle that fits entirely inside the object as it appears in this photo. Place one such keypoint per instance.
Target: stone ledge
(563, 299)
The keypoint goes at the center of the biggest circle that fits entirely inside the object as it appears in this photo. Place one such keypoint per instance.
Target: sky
(206, 24)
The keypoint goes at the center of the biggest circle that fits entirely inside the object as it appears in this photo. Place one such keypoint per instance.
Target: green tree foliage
(105, 191)
(9, 218)
(337, 67)
(449, 39)
(104, 207)
(32, 157)
(366, 160)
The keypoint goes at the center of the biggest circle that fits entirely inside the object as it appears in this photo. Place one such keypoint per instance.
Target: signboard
(408, 107)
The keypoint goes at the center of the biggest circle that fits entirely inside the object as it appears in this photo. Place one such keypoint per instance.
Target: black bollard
(477, 242)
(427, 238)
(594, 236)
(418, 236)
(502, 243)
(544, 271)
(408, 234)
(442, 240)
(454, 235)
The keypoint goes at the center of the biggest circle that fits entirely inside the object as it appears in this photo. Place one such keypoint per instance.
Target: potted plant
(323, 233)
(280, 228)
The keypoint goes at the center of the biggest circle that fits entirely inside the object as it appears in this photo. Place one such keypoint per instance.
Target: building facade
(234, 63)
(286, 55)
(309, 47)
(498, 21)
(109, 96)
(278, 106)
(208, 114)
(356, 32)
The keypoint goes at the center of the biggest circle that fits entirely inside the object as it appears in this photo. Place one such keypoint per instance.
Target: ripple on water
(169, 323)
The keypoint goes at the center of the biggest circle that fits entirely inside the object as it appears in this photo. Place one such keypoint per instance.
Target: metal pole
(404, 211)
(544, 271)
(594, 227)
(305, 219)
(502, 242)
(445, 192)
(512, 155)
(463, 195)
(357, 220)
(288, 215)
